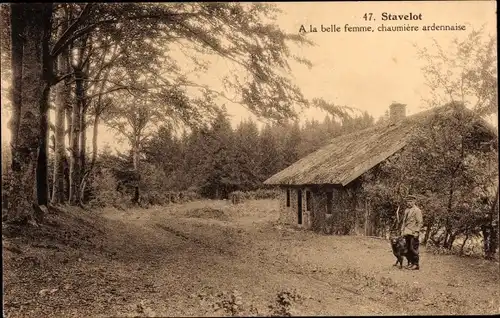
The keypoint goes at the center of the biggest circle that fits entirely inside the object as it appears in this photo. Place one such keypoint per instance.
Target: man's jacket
(412, 221)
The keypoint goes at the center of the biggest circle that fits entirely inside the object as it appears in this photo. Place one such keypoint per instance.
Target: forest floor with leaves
(211, 258)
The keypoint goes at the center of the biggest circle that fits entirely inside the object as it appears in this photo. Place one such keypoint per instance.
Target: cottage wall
(349, 210)
(360, 212)
(351, 218)
(307, 214)
(319, 210)
(285, 215)
(346, 215)
(289, 215)
(330, 223)
(360, 209)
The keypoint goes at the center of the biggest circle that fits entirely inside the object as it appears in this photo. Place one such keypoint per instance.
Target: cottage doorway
(299, 206)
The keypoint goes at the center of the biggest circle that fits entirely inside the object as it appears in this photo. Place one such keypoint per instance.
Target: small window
(329, 202)
(308, 201)
(288, 197)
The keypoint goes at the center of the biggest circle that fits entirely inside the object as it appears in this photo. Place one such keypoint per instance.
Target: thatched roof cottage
(325, 186)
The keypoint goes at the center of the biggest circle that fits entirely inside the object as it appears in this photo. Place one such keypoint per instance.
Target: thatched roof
(349, 156)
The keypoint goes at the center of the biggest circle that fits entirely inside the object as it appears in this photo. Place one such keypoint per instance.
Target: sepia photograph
(274, 159)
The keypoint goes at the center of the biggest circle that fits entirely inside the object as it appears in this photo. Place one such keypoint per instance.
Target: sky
(365, 70)
(371, 70)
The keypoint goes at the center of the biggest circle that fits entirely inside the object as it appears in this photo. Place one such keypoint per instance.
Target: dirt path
(210, 258)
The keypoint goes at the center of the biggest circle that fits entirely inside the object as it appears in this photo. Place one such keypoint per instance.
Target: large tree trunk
(83, 137)
(29, 144)
(63, 100)
(42, 183)
(77, 123)
(17, 43)
(83, 117)
(47, 73)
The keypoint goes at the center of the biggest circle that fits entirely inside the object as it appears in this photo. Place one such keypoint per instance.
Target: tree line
(216, 159)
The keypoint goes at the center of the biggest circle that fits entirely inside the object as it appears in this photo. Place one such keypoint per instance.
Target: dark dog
(400, 250)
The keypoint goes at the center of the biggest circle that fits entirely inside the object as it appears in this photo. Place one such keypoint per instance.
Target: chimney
(397, 112)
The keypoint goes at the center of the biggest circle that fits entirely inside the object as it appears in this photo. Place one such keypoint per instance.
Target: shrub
(237, 197)
(152, 197)
(189, 195)
(283, 303)
(104, 190)
(263, 194)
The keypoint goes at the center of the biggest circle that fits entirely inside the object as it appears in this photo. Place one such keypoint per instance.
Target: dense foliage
(452, 165)
(216, 160)
(132, 66)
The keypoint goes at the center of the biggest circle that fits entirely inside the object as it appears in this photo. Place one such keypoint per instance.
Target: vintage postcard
(178, 159)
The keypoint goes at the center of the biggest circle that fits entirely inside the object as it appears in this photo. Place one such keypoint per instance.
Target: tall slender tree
(63, 103)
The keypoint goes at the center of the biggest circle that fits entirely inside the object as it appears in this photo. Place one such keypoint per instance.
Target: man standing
(410, 229)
